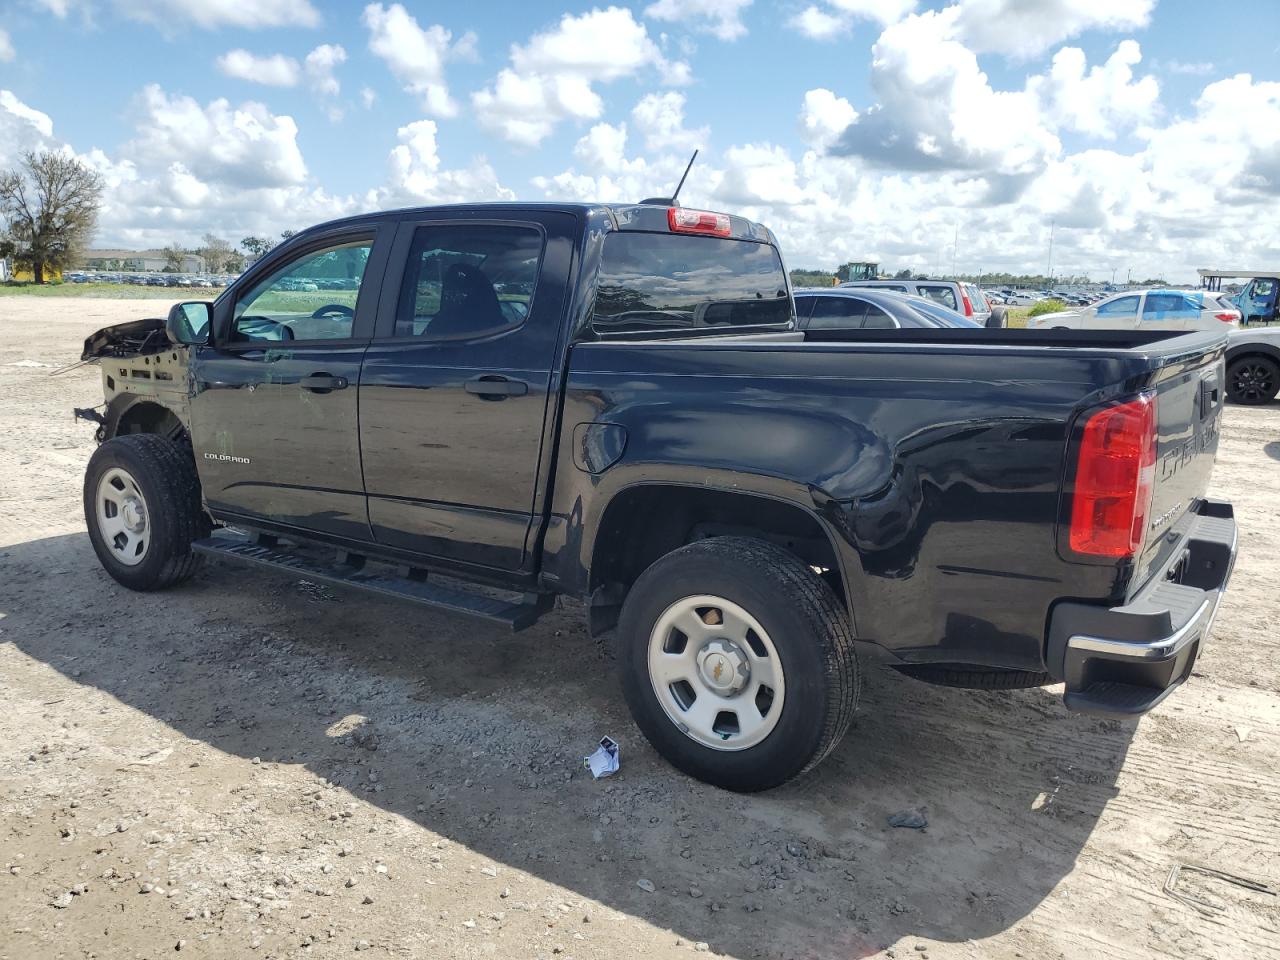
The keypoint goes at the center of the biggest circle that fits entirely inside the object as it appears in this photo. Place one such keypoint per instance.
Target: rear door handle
(322, 383)
(495, 387)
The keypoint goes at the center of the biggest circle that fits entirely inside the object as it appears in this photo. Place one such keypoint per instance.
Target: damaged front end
(144, 380)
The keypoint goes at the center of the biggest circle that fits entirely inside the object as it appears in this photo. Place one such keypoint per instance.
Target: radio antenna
(672, 201)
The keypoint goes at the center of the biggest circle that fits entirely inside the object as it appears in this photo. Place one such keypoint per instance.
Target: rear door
(274, 412)
(1120, 313)
(456, 387)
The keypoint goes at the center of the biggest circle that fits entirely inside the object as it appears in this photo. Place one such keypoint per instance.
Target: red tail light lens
(1226, 317)
(681, 220)
(968, 307)
(1115, 477)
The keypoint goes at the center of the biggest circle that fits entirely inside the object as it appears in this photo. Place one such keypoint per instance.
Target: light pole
(1052, 224)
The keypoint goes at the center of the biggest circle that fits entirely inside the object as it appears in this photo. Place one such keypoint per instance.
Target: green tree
(286, 234)
(256, 246)
(49, 204)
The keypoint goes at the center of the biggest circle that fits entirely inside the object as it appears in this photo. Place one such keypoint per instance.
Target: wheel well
(1249, 354)
(147, 417)
(644, 523)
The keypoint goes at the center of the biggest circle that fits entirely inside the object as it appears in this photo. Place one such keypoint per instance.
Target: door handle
(322, 383)
(493, 387)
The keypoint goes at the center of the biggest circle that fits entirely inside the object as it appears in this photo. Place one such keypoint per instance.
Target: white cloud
(6, 47)
(817, 24)
(368, 97)
(1192, 69)
(824, 117)
(1103, 101)
(416, 56)
(320, 64)
(245, 146)
(722, 18)
(22, 128)
(416, 178)
(660, 119)
(275, 70)
(1025, 28)
(837, 17)
(552, 77)
(207, 14)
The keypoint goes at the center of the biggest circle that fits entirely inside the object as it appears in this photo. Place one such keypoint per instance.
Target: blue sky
(967, 116)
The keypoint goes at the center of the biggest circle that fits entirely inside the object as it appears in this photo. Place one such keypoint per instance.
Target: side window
(466, 280)
(312, 297)
(1262, 288)
(837, 313)
(877, 319)
(939, 294)
(1162, 303)
(1120, 307)
(894, 287)
(803, 306)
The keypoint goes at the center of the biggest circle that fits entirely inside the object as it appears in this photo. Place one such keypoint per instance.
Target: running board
(349, 570)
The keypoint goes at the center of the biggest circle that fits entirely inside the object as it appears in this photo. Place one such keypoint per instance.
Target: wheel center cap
(722, 667)
(135, 517)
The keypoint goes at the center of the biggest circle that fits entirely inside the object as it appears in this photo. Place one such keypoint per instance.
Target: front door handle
(322, 383)
(493, 387)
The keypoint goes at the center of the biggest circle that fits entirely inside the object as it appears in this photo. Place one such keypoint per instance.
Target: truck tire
(142, 507)
(1253, 380)
(975, 678)
(737, 662)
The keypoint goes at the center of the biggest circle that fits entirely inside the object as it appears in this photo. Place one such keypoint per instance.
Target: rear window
(939, 294)
(662, 281)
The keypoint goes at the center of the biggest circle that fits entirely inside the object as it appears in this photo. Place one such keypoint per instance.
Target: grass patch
(107, 291)
(1047, 306)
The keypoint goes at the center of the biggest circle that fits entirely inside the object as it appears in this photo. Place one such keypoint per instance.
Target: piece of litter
(911, 819)
(605, 760)
(646, 885)
(1242, 733)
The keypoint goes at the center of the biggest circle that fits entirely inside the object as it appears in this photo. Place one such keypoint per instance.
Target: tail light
(964, 298)
(1227, 317)
(681, 220)
(1115, 478)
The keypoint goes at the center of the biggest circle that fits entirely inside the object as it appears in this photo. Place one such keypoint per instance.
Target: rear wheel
(1253, 380)
(142, 507)
(737, 662)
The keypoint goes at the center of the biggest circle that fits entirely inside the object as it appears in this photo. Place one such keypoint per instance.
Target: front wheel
(142, 507)
(737, 662)
(1253, 380)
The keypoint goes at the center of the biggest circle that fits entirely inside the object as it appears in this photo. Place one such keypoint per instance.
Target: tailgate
(1189, 405)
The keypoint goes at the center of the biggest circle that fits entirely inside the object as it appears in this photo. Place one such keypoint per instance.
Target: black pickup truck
(479, 408)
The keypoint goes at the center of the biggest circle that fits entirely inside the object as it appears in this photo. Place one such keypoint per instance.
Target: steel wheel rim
(123, 518)
(721, 683)
(1253, 381)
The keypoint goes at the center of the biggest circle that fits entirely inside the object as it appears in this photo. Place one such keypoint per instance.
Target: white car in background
(1144, 310)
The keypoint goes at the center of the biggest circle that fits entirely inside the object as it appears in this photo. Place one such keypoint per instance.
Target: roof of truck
(623, 216)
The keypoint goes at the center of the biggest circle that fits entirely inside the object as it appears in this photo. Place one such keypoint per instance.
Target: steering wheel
(333, 310)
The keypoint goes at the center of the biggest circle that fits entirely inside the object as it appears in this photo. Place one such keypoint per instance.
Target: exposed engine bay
(144, 380)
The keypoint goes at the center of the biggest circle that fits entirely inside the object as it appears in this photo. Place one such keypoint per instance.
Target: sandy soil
(257, 767)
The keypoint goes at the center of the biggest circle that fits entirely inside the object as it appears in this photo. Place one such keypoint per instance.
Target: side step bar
(349, 571)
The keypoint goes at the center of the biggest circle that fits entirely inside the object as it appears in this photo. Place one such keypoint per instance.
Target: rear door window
(660, 281)
(468, 280)
(877, 319)
(939, 294)
(837, 313)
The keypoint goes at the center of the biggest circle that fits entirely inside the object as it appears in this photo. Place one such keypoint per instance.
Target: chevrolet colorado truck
(480, 408)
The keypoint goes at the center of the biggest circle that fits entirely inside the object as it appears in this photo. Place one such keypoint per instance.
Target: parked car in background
(1253, 365)
(1258, 302)
(1143, 309)
(964, 298)
(836, 308)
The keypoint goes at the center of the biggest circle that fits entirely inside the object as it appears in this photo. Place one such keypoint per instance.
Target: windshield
(661, 281)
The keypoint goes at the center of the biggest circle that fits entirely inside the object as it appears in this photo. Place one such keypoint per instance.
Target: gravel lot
(258, 767)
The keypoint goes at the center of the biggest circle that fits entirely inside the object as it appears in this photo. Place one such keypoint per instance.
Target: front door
(456, 387)
(274, 414)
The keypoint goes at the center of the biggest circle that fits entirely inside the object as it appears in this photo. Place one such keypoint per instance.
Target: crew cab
(479, 408)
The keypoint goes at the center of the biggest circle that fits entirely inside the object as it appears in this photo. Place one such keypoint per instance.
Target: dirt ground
(251, 766)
